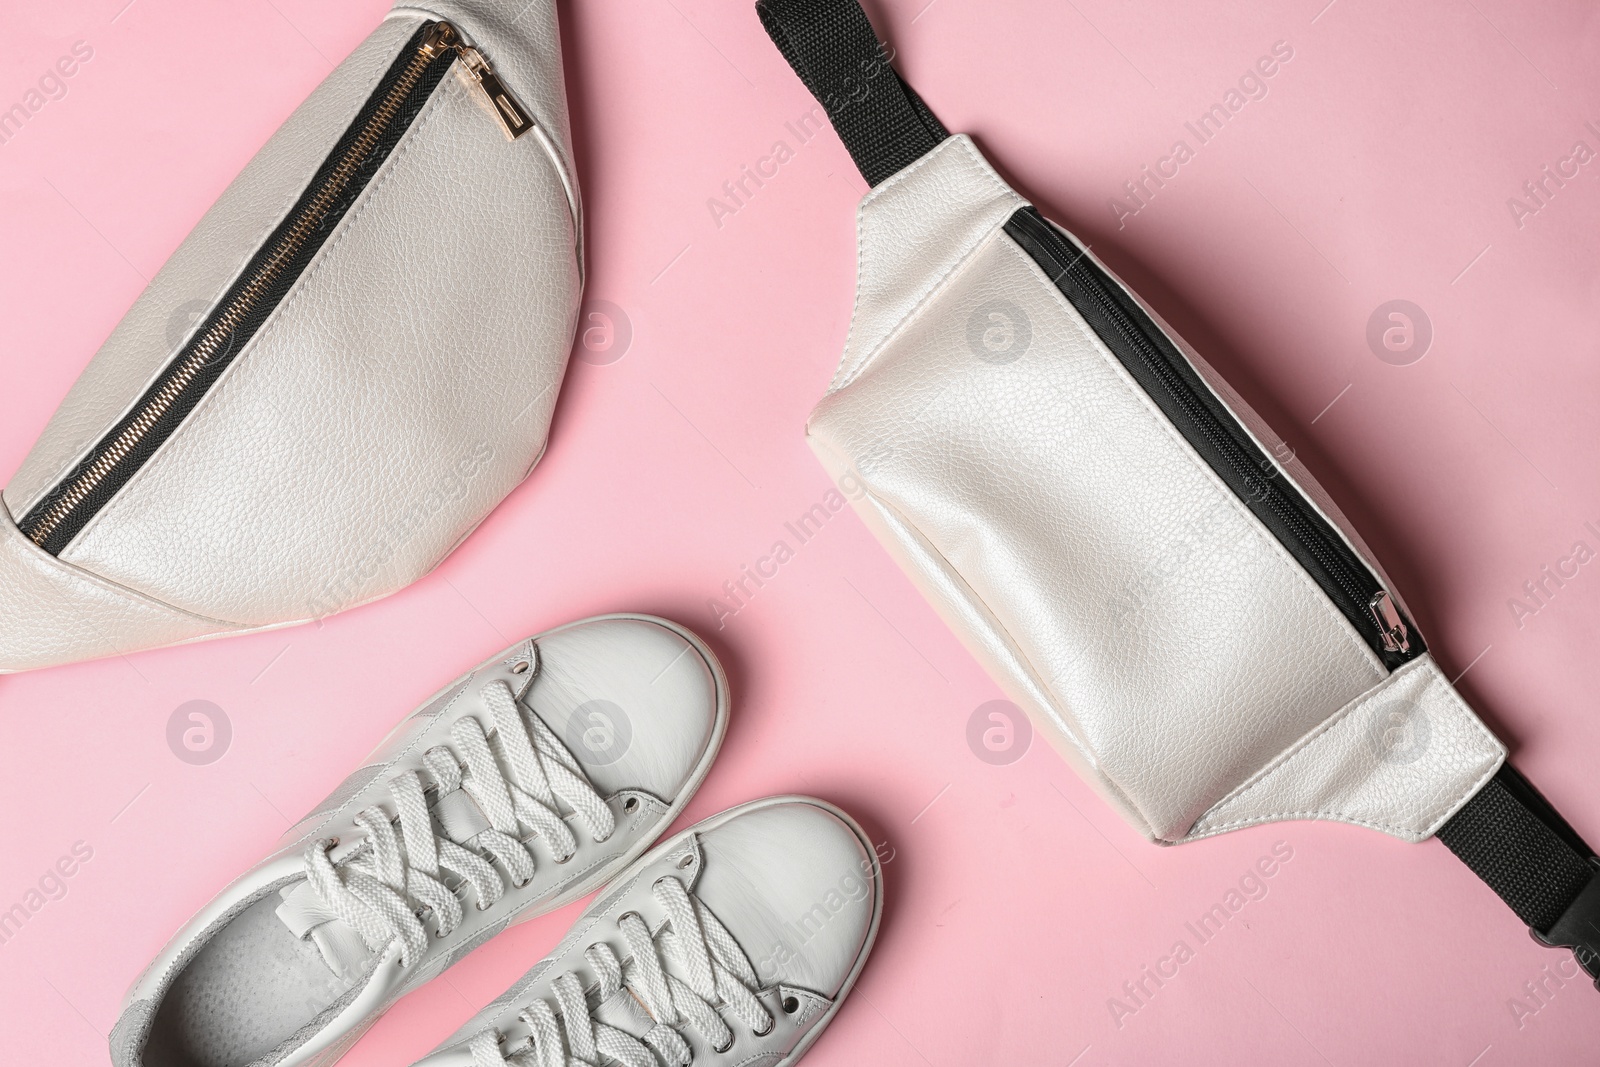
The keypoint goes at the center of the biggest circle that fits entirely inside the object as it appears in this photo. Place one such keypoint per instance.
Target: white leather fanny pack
(1136, 559)
(346, 365)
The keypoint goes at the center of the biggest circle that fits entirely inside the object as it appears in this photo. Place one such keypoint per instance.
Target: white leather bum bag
(346, 365)
(1134, 557)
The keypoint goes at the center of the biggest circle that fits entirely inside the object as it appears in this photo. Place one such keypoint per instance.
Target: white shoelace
(517, 783)
(717, 974)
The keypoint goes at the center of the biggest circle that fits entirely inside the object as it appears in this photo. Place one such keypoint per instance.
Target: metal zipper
(513, 120)
(1163, 372)
(62, 513)
(1392, 629)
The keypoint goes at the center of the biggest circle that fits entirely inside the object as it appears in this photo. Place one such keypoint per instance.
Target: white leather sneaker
(734, 943)
(517, 789)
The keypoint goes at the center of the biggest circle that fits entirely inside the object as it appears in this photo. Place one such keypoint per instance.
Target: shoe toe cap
(637, 701)
(798, 888)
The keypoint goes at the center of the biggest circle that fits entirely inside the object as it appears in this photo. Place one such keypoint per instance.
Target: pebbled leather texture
(1157, 632)
(1290, 467)
(51, 612)
(523, 42)
(1400, 758)
(915, 229)
(694, 699)
(397, 394)
(203, 265)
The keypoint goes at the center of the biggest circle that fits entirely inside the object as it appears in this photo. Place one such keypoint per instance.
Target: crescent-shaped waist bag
(344, 367)
(1129, 551)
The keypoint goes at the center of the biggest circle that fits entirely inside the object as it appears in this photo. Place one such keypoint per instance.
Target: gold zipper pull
(442, 37)
(513, 120)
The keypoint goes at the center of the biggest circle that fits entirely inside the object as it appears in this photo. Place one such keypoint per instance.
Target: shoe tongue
(343, 948)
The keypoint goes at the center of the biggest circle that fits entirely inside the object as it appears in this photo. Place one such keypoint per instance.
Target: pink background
(1377, 167)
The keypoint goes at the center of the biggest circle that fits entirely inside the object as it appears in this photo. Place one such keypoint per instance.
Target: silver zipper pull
(513, 120)
(1391, 627)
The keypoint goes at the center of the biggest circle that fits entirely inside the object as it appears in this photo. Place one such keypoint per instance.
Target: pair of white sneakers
(543, 774)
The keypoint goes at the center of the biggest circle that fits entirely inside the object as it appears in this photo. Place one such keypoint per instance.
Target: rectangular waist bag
(1136, 559)
(345, 366)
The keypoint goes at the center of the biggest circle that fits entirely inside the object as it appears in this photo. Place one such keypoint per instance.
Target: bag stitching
(1345, 715)
(973, 160)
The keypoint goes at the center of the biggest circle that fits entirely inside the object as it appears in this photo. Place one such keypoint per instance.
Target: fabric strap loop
(832, 47)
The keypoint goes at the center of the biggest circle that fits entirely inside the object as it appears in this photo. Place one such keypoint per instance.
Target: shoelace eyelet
(790, 1006)
(567, 858)
(630, 805)
(521, 667)
(687, 862)
(724, 1048)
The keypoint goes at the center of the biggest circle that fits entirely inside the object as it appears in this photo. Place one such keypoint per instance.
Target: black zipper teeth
(1142, 348)
(61, 514)
(1290, 509)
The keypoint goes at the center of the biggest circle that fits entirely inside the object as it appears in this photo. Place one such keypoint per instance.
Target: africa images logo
(999, 332)
(599, 733)
(1399, 332)
(199, 732)
(998, 732)
(1399, 731)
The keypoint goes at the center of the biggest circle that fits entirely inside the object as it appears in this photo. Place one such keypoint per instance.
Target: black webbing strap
(1512, 838)
(833, 48)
